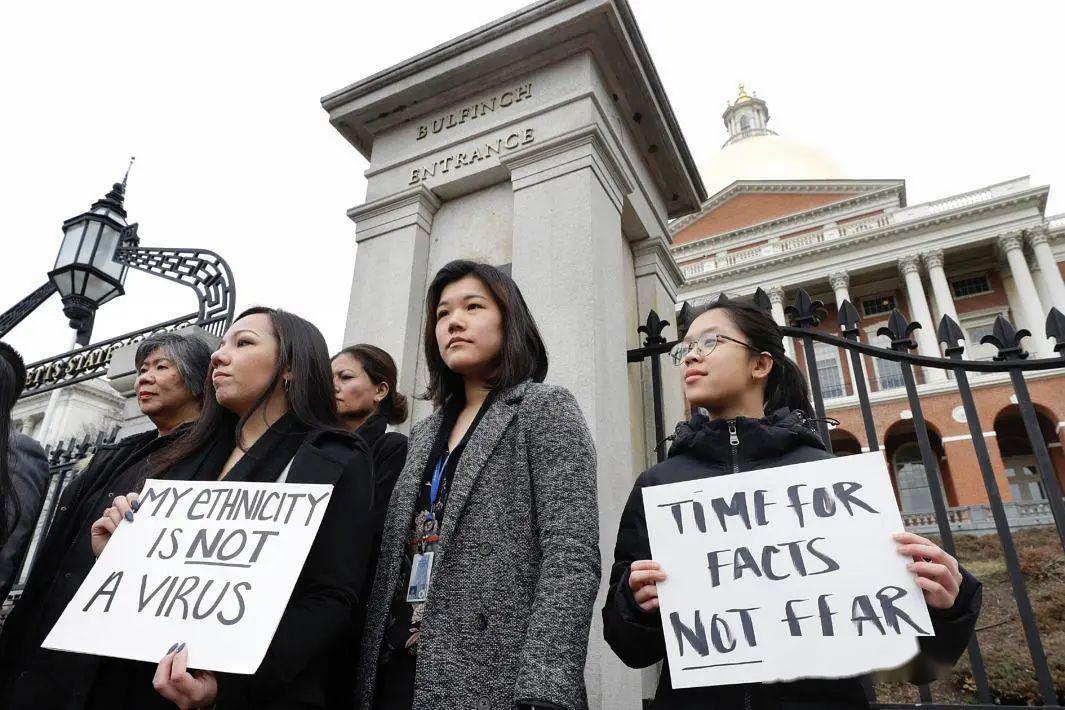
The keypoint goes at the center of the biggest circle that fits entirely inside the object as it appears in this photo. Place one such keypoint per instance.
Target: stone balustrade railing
(977, 519)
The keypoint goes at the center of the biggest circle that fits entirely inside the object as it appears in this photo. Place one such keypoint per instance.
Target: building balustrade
(978, 520)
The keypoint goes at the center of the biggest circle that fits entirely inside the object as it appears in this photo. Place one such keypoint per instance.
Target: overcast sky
(219, 101)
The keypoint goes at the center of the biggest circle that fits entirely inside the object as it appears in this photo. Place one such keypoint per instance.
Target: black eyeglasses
(703, 346)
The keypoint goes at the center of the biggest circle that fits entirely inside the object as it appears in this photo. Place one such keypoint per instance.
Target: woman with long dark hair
(270, 415)
(489, 563)
(23, 474)
(734, 366)
(368, 400)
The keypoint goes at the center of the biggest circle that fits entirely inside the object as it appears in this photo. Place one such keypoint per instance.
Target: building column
(841, 284)
(926, 335)
(776, 297)
(391, 277)
(933, 261)
(1050, 275)
(1028, 310)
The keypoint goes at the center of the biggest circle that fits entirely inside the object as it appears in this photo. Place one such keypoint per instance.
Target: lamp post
(86, 274)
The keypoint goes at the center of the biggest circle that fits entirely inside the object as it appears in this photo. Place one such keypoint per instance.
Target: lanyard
(434, 487)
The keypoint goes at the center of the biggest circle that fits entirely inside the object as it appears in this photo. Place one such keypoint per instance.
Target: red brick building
(973, 256)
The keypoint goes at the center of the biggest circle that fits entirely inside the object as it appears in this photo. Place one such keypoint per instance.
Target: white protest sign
(211, 564)
(784, 573)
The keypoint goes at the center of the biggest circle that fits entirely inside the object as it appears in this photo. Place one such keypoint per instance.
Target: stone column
(776, 297)
(926, 335)
(933, 261)
(390, 278)
(1028, 310)
(568, 196)
(1050, 275)
(841, 284)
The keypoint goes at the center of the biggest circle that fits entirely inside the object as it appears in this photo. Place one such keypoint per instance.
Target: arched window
(745, 123)
(911, 479)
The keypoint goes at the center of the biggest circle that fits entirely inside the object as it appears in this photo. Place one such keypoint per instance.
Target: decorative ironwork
(203, 271)
(653, 329)
(1013, 361)
(91, 361)
(14, 315)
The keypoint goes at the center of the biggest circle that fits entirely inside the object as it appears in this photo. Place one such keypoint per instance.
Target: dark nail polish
(171, 649)
(129, 515)
(179, 648)
(136, 505)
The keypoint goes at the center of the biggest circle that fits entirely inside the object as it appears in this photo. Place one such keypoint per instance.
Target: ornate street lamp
(98, 248)
(86, 273)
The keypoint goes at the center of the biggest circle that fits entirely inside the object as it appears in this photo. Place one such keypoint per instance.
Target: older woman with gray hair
(171, 372)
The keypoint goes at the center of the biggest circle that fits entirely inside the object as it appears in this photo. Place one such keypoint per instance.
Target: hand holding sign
(938, 574)
(787, 573)
(122, 508)
(213, 563)
(175, 683)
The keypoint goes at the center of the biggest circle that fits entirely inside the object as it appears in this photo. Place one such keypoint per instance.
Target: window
(828, 370)
(879, 304)
(888, 372)
(911, 480)
(975, 334)
(745, 123)
(970, 286)
(1024, 480)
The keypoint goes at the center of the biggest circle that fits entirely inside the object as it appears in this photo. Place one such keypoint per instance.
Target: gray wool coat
(516, 574)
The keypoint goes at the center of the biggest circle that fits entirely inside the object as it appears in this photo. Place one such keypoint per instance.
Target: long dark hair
(523, 355)
(303, 352)
(380, 367)
(12, 382)
(786, 385)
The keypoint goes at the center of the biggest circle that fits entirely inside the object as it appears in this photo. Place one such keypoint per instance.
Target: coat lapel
(404, 498)
(475, 456)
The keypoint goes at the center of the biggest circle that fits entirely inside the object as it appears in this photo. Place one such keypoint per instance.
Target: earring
(285, 383)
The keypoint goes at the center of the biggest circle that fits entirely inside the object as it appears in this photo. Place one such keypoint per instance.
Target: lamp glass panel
(71, 239)
(105, 250)
(87, 244)
(96, 288)
(110, 294)
(79, 282)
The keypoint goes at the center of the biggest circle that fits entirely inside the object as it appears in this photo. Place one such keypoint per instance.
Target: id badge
(421, 571)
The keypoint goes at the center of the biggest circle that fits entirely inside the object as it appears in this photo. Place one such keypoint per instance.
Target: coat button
(482, 623)
(66, 576)
(111, 495)
(62, 509)
(486, 548)
(484, 704)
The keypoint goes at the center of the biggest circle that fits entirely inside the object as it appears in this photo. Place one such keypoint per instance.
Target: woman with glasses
(733, 365)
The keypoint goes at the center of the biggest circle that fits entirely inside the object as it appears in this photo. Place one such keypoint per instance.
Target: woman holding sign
(270, 415)
(489, 564)
(734, 366)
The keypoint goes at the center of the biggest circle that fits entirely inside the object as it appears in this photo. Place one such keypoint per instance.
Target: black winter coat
(28, 468)
(701, 449)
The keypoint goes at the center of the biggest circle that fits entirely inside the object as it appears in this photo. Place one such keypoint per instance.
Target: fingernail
(129, 515)
(136, 505)
(897, 535)
(179, 648)
(171, 649)
(911, 567)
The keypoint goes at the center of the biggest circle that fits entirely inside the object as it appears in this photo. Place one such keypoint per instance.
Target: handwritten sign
(784, 573)
(210, 564)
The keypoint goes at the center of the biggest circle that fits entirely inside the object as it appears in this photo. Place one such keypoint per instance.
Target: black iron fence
(805, 315)
(63, 464)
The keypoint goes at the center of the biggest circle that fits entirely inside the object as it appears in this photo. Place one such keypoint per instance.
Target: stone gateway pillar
(542, 142)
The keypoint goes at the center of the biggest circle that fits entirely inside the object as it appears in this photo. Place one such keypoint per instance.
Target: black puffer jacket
(705, 448)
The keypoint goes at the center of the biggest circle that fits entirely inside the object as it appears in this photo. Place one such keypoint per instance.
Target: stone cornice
(873, 191)
(414, 206)
(651, 255)
(850, 242)
(576, 150)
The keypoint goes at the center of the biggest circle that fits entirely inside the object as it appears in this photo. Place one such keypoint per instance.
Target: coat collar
(482, 443)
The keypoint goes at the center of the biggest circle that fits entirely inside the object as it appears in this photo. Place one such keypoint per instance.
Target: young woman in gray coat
(489, 563)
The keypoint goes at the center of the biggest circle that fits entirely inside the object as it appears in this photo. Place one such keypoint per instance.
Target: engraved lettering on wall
(476, 110)
(459, 160)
